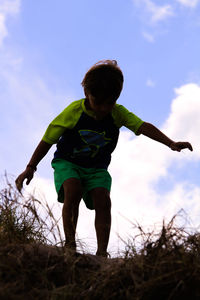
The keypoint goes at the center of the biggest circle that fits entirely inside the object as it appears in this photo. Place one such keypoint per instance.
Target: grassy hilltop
(165, 266)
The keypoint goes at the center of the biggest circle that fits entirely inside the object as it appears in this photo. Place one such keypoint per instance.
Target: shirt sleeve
(67, 119)
(123, 117)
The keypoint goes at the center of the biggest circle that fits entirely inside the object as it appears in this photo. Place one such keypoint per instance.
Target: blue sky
(60, 41)
(45, 49)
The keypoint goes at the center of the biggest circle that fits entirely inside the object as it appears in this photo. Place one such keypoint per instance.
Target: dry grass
(166, 265)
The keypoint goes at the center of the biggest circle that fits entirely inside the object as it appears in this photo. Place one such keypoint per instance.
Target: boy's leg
(72, 197)
(102, 206)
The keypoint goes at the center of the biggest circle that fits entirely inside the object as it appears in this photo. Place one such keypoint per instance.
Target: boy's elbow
(143, 128)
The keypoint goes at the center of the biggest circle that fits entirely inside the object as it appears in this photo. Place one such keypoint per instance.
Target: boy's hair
(104, 79)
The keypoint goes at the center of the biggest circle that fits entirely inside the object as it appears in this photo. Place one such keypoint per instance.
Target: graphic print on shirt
(93, 142)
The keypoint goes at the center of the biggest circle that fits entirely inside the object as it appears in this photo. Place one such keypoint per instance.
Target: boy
(86, 134)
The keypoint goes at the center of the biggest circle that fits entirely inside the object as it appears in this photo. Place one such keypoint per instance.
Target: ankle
(102, 253)
(70, 245)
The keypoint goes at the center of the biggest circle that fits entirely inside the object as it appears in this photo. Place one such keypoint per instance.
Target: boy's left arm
(154, 133)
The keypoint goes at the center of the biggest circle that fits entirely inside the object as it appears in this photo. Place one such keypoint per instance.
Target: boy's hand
(178, 146)
(27, 174)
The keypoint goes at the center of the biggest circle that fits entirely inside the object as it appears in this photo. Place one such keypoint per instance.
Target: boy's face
(101, 107)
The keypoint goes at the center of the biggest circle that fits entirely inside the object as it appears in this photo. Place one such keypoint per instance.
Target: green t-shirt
(85, 141)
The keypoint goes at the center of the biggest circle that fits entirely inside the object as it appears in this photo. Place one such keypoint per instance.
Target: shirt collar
(87, 111)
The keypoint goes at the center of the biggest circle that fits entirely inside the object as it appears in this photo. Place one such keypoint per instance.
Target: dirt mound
(164, 266)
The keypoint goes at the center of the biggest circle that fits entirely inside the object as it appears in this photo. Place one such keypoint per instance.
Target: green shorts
(90, 178)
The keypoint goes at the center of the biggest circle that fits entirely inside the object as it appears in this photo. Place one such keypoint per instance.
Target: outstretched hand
(27, 174)
(178, 146)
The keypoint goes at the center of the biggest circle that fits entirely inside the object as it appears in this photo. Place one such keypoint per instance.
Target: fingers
(20, 179)
(190, 147)
(185, 145)
(19, 183)
(180, 146)
(29, 179)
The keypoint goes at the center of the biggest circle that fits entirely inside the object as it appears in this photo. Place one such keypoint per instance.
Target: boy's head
(103, 81)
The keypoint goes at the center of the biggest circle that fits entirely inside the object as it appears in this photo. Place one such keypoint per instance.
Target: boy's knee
(101, 198)
(72, 192)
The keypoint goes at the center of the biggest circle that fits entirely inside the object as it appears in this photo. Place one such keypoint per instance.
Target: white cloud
(157, 13)
(154, 16)
(7, 8)
(148, 36)
(188, 3)
(150, 83)
(10, 7)
(139, 164)
(184, 121)
(3, 30)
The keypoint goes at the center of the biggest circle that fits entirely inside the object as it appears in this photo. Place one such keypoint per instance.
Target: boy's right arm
(37, 156)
